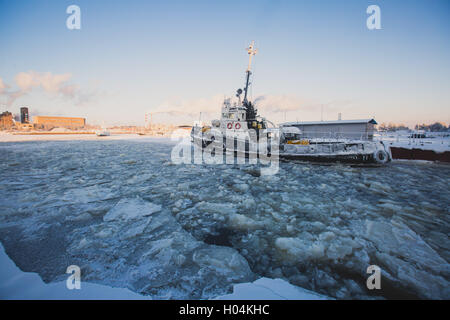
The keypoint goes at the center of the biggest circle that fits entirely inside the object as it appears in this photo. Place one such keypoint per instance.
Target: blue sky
(182, 57)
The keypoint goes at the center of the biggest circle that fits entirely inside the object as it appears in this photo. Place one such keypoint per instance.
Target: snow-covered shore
(8, 137)
(270, 289)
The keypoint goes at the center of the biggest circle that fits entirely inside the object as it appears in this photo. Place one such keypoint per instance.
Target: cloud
(282, 103)
(176, 111)
(277, 108)
(3, 86)
(266, 103)
(288, 103)
(191, 106)
(52, 84)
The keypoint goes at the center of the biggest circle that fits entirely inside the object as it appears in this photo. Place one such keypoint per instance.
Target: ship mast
(251, 51)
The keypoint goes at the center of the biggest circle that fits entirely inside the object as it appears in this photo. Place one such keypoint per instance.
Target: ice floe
(165, 261)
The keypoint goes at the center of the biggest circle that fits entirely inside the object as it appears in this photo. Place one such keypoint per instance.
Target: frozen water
(131, 218)
(15, 284)
(153, 255)
(128, 209)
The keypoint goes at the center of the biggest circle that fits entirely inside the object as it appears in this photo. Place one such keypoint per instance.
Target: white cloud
(2, 86)
(177, 111)
(52, 84)
(277, 108)
(281, 103)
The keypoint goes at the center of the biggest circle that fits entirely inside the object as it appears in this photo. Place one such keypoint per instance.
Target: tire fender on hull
(380, 156)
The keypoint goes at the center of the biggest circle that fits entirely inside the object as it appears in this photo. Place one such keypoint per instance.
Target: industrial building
(6, 120)
(45, 122)
(349, 129)
(24, 116)
(24, 123)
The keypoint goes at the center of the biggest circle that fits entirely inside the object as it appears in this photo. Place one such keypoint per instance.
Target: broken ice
(130, 218)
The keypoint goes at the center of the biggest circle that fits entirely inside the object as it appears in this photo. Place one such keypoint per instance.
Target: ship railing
(330, 136)
(332, 142)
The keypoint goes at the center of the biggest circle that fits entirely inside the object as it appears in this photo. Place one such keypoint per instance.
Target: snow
(336, 147)
(436, 146)
(436, 143)
(59, 135)
(327, 122)
(270, 289)
(15, 284)
(57, 130)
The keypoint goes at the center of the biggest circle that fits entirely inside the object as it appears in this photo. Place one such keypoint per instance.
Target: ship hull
(420, 154)
(349, 157)
(330, 158)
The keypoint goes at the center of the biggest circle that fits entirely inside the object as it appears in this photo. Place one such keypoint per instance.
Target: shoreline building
(24, 123)
(46, 122)
(6, 120)
(24, 115)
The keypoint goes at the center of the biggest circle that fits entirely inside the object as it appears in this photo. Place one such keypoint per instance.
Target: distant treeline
(435, 127)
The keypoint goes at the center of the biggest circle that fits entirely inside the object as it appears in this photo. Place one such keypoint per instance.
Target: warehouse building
(349, 129)
(45, 122)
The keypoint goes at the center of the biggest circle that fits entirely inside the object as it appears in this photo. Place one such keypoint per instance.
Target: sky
(179, 59)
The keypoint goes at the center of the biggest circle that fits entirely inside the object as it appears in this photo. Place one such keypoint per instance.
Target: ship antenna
(251, 51)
